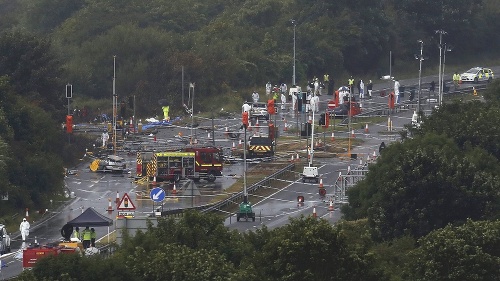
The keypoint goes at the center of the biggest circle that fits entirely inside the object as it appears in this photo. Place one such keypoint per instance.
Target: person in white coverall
(24, 227)
(283, 101)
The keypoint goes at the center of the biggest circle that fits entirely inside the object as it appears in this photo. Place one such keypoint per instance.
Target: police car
(477, 74)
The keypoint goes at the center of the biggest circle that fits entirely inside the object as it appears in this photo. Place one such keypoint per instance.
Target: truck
(260, 146)
(245, 211)
(111, 164)
(190, 163)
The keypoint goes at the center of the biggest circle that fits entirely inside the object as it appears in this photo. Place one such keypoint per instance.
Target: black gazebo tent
(91, 217)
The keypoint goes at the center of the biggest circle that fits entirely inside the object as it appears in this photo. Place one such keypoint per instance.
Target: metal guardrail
(250, 189)
(214, 206)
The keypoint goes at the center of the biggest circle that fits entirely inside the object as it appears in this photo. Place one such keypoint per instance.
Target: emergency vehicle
(477, 74)
(192, 163)
(260, 146)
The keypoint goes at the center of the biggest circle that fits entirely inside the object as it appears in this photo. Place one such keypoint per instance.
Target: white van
(310, 173)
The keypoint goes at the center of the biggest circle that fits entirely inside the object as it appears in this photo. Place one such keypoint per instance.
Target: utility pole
(182, 82)
(191, 85)
(440, 90)
(294, 25)
(421, 58)
(115, 102)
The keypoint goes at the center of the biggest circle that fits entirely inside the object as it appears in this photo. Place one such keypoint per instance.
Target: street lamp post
(440, 90)
(293, 75)
(421, 58)
(446, 49)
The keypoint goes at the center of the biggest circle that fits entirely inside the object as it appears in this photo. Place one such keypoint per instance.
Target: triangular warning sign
(126, 203)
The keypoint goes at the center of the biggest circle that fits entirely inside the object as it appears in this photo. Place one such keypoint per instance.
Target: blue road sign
(157, 194)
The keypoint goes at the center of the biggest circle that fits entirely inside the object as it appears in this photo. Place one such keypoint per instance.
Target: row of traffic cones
(297, 159)
(330, 209)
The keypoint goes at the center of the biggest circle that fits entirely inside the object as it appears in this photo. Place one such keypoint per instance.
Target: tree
(423, 184)
(471, 124)
(32, 68)
(467, 252)
(310, 249)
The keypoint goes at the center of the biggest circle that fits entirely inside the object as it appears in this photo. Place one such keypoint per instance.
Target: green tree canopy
(467, 252)
(424, 184)
(471, 124)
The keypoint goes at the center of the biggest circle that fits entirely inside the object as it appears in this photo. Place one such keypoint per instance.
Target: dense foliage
(227, 46)
(32, 144)
(200, 247)
(423, 184)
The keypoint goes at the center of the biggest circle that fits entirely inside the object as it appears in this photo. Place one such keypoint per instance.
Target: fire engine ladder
(346, 181)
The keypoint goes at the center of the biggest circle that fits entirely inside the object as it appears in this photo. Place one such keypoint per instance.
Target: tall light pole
(115, 105)
(421, 58)
(440, 90)
(446, 49)
(294, 25)
(191, 86)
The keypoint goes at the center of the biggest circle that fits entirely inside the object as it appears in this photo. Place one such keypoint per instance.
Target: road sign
(126, 204)
(157, 194)
(126, 213)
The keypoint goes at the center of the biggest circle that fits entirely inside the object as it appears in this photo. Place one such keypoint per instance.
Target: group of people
(88, 236)
(363, 90)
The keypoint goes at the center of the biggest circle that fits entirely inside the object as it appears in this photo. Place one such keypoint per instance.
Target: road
(88, 189)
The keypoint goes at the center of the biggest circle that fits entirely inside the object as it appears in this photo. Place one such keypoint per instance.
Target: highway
(88, 189)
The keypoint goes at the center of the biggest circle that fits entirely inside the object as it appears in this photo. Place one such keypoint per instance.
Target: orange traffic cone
(374, 154)
(315, 215)
(240, 144)
(174, 189)
(110, 208)
(226, 132)
(117, 200)
(352, 133)
(27, 214)
(320, 183)
(154, 181)
(292, 160)
(330, 208)
(333, 136)
(297, 158)
(234, 146)
(366, 128)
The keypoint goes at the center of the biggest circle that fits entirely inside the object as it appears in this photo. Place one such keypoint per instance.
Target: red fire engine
(193, 163)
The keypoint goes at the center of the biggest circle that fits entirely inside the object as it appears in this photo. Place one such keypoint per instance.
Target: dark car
(342, 110)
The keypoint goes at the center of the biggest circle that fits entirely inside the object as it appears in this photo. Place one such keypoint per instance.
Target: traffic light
(244, 118)
(270, 107)
(69, 91)
(69, 124)
(322, 119)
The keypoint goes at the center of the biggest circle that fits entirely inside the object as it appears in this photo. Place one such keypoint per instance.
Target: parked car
(342, 110)
(477, 74)
(259, 110)
(4, 240)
